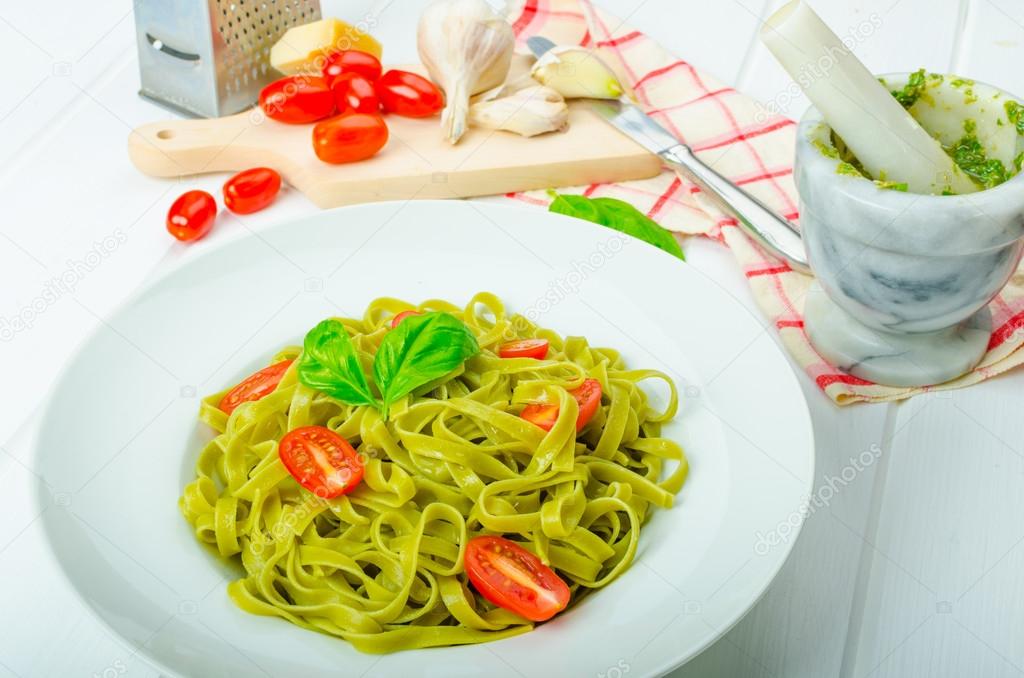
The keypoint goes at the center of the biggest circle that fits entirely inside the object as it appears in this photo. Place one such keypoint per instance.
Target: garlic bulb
(577, 73)
(467, 49)
(530, 111)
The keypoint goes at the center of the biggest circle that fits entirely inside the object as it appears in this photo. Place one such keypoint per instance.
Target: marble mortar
(904, 280)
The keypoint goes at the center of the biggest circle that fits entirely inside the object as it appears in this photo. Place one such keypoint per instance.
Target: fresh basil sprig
(329, 363)
(421, 349)
(617, 215)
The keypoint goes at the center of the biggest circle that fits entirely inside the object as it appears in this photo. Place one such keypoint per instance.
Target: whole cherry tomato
(254, 387)
(351, 61)
(191, 215)
(348, 138)
(321, 461)
(408, 94)
(354, 94)
(297, 99)
(251, 190)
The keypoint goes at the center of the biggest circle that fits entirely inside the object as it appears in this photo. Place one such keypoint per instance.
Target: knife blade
(775, 234)
(539, 45)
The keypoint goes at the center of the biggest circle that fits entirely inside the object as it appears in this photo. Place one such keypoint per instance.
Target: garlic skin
(467, 49)
(577, 73)
(508, 88)
(529, 112)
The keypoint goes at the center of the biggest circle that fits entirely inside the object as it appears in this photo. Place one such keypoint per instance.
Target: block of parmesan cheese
(298, 49)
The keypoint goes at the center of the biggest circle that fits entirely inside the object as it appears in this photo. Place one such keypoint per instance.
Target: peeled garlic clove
(467, 49)
(529, 112)
(577, 73)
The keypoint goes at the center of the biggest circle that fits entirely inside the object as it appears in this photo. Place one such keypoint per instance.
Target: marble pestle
(888, 142)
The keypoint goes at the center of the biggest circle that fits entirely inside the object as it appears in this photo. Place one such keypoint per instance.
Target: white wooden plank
(948, 537)
(949, 549)
(993, 44)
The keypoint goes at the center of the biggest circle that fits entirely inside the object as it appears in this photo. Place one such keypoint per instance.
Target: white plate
(119, 436)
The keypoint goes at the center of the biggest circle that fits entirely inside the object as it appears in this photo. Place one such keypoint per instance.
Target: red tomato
(297, 99)
(254, 387)
(348, 138)
(321, 461)
(402, 316)
(588, 395)
(544, 416)
(251, 190)
(354, 94)
(191, 215)
(351, 61)
(513, 578)
(525, 348)
(408, 94)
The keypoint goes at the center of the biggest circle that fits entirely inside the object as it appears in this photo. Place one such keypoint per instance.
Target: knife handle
(776, 235)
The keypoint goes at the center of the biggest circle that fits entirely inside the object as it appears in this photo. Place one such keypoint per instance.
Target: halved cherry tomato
(544, 416)
(354, 94)
(297, 99)
(191, 215)
(588, 395)
(321, 461)
(348, 138)
(254, 387)
(513, 578)
(351, 61)
(408, 94)
(251, 190)
(525, 348)
(402, 316)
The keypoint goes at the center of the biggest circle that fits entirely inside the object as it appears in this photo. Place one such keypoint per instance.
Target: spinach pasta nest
(431, 475)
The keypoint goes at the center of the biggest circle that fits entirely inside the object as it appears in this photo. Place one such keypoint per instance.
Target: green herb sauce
(969, 155)
(892, 185)
(825, 149)
(848, 169)
(1015, 113)
(913, 90)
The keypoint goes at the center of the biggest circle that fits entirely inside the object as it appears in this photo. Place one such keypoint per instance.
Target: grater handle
(177, 148)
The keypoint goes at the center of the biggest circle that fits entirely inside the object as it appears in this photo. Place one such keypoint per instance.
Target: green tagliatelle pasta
(382, 567)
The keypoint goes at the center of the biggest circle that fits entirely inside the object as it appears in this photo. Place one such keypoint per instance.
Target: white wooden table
(914, 566)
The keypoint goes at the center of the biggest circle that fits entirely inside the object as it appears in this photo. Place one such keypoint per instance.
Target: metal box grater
(211, 57)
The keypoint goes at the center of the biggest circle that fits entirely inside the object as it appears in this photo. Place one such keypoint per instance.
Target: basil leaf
(578, 206)
(421, 349)
(329, 363)
(617, 215)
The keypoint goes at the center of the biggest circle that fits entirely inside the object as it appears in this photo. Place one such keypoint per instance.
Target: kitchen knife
(772, 232)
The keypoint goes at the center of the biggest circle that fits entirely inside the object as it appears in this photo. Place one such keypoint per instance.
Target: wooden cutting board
(415, 163)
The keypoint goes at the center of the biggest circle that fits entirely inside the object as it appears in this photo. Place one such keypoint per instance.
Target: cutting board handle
(177, 148)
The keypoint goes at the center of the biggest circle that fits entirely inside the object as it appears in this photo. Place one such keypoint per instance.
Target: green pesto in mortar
(968, 152)
(1015, 114)
(912, 91)
(969, 155)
